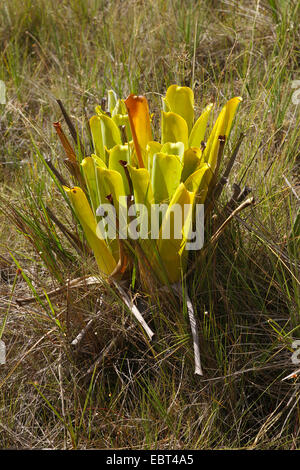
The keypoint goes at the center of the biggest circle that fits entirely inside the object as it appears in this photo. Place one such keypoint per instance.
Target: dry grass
(245, 292)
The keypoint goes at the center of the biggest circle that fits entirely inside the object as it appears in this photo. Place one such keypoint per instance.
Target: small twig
(81, 335)
(124, 164)
(134, 310)
(56, 172)
(222, 141)
(74, 170)
(234, 155)
(293, 375)
(75, 241)
(65, 142)
(223, 180)
(243, 194)
(236, 191)
(291, 188)
(244, 204)
(22, 162)
(71, 127)
(104, 353)
(88, 128)
(213, 182)
(237, 198)
(74, 284)
(193, 324)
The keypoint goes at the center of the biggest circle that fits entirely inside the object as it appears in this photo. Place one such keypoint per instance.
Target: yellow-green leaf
(123, 120)
(180, 100)
(112, 100)
(104, 258)
(95, 126)
(221, 128)
(105, 135)
(143, 193)
(166, 172)
(198, 182)
(174, 129)
(110, 182)
(98, 161)
(151, 149)
(117, 153)
(198, 131)
(110, 132)
(120, 108)
(171, 249)
(173, 148)
(120, 117)
(191, 160)
(88, 168)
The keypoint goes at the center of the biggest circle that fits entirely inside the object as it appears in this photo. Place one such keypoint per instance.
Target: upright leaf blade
(171, 250)
(110, 182)
(117, 153)
(198, 182)
(173, 148)
(198, 131)
(166, 174)
(139, 119)
(221, 128)
(110, 132)
(95, 126)
(104, 258)
(143, 193)
(191, 160)
(174, 129)
(151, 149)
(88, 167)
(180, 100)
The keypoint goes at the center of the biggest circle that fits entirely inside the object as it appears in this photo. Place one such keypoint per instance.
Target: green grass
(245, 291)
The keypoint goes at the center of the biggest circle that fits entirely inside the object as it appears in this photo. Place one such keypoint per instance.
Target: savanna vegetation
(81, 371)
